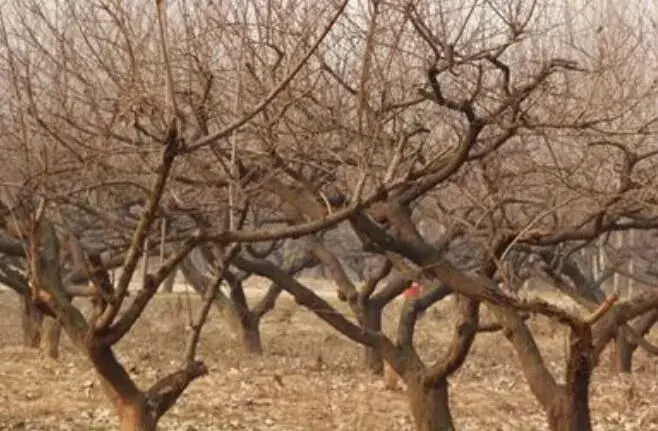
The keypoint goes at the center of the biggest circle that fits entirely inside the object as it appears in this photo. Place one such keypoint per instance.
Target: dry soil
(309, 378)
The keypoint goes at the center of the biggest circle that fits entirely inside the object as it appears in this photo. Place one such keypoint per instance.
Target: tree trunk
(570, 412)
(430, 406)
(391, 378)
(569, 409)
(134, 416)
(621, 354)
(52, 330)
(168, 284)
(32, 321)
(133, 411)
(249, 336)
(373, 321)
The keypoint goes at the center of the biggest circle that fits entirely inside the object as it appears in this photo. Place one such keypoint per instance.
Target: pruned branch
(602, 309)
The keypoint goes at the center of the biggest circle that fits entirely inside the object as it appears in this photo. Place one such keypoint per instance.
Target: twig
(209, 139)
(209, 297)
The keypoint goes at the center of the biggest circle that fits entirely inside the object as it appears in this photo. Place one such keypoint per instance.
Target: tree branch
(165, 392)
(171, 148)
(310, 300)
(226, 131)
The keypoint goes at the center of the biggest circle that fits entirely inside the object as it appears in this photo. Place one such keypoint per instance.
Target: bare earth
(310, 378)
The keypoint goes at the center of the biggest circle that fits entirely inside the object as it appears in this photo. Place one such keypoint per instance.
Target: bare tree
(505, 114)
(90, 132)
(519, 139)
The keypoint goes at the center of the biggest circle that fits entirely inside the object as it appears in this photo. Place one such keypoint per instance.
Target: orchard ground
(309, 378)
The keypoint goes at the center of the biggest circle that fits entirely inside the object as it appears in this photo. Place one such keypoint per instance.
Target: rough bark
(129, 402)
(139, 410)
(430, 405)
(566, 406)
(32, 321)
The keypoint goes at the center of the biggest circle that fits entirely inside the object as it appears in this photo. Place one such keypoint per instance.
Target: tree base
(430, 406)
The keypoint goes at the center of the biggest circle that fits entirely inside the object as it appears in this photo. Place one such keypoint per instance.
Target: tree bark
(32, 321)
(129, 402)
(621, 354)
(570, 412)
(374, 361)
(134, 416)
(430, 406)
(623, 347)
(52, 331)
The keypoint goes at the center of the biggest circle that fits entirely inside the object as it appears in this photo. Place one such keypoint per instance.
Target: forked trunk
(52, 331)
(133, 411)
(134, 416)
(373, 321)
(249, 335)
(32, 320)
(430, 406)
(621, 354)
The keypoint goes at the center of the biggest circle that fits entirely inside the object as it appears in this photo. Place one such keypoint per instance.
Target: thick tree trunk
(134, 416)
(621, 354)
(52, 331)
(570, 412)
(430, 406)
(569, 409)
(133, 411)
(373, 321)
(32, 321)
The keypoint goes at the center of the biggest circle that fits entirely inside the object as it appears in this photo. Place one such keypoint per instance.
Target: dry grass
(309, 379)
